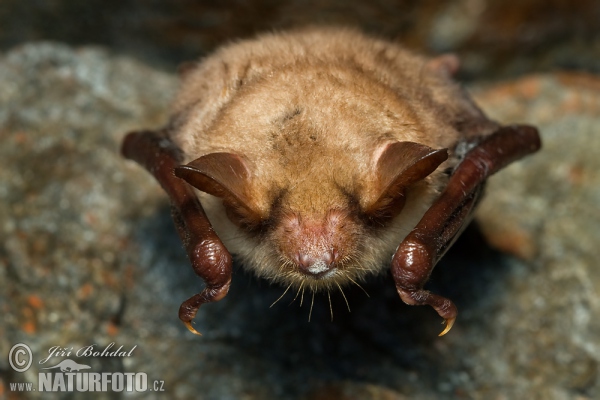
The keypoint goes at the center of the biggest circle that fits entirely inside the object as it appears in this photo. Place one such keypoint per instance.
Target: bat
(318, 157)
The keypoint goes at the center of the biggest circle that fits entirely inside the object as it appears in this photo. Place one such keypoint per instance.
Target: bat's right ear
(226, 176)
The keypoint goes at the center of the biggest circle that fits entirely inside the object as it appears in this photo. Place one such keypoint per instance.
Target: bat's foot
(444, 307)
(449, 322)
(189, 308)
(188, 324)
(188, 311)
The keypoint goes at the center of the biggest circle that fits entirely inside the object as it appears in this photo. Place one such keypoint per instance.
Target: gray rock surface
(546, 210)
(88, 254)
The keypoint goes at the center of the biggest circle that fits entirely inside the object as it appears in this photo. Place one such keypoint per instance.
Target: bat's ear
(224, 175)
(446, 65)
(400, 165)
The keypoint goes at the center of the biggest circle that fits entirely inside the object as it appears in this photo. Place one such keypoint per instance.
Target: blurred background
(492, 36)
(89, 254)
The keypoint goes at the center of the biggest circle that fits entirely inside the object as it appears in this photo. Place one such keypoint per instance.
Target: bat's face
(318, 199)
(324, 226)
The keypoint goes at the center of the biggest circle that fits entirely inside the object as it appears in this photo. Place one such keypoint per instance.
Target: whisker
(330, 307)
(297, 293)
(357, 265)
(356, 283)
(280, 297)
(283, 266)
(312, 302)
(302, 298)
(362, 267)
(344, 296)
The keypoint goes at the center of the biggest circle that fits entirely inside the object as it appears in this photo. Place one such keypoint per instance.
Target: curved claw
(449, 323)
(188, 324)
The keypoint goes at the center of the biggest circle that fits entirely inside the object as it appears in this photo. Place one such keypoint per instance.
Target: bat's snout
(317, 264)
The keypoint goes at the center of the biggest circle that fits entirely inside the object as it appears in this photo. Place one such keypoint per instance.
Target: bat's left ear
(400, 165)
(446, 65)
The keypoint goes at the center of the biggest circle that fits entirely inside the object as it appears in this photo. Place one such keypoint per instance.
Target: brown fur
(310, 113)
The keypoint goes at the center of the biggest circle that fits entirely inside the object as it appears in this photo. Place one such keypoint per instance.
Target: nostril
(334, 255)
(316, 264)
(327, 258)
(304, 260)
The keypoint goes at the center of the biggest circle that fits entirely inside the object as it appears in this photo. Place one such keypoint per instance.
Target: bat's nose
(316, 264)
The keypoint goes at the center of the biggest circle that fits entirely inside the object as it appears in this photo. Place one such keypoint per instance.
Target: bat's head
(324, 171)
(318, 224)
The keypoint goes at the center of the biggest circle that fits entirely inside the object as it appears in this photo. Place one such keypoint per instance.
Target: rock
(545, 210)
(354, 391)
(67, 199)
(89, 255)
